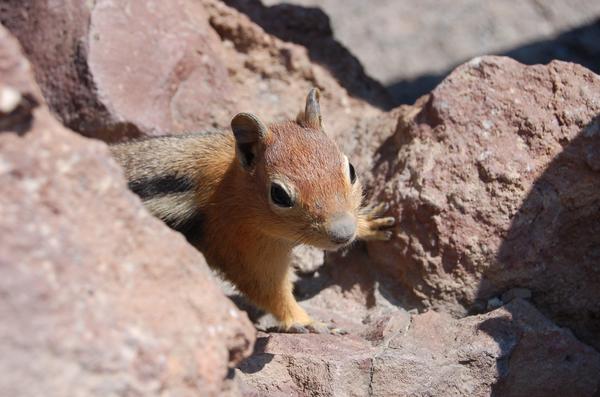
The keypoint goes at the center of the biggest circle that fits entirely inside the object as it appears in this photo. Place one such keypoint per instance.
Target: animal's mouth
(323, 239)
(329, 245)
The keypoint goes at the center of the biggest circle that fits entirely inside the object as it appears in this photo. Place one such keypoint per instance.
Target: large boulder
(98, 297)
(513, 350)
(116, 69)
(311, 28)
(495, 180)
(411, 46)
(432, 354)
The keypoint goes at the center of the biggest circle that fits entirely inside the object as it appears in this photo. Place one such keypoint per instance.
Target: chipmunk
(246, 199)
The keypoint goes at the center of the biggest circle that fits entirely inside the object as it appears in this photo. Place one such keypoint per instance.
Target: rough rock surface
(98, 297)
(432, 354)
(494, 177)
(307, 259)
(412, 45)
(206, 63)
(511, 351)
(310, 27)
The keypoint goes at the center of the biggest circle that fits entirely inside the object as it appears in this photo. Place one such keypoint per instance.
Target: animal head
(307, 189)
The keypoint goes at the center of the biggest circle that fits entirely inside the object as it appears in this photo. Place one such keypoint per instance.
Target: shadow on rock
(310, 27)
(580, 45)
(553, 244)
(496, 185)
(259, 357)
(537, 358)
(345, 291)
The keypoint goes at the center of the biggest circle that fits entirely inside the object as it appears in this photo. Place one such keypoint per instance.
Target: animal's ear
(248, 131)
(311, 117)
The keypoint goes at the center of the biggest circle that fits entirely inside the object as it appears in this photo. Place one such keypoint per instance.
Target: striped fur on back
(165, 172)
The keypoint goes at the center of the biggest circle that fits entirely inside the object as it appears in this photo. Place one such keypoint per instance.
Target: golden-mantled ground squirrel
(246, 199)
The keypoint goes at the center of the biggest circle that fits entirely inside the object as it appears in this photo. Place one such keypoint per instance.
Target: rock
(307, 259)
(347, 292)
(489, 180)
(493, 177)
(318, 365)
(497, 353)
(310, 27)
(98, 297)
(207, 62)
(514, 293)
(380, 329)
(9, 99)
(411, 47)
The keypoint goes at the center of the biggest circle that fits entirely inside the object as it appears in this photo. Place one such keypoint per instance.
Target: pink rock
(489, 176)
(436, 355)
(98, 297)
(118, 69)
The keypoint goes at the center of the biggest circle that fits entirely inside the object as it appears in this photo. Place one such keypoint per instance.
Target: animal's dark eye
(280, 196)
(352, 173)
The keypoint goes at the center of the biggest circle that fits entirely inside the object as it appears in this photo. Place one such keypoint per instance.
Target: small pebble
(9, 99)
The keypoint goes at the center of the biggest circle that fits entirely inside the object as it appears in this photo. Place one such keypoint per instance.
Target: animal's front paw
(372, 226)
(317, 327)
(314, 327)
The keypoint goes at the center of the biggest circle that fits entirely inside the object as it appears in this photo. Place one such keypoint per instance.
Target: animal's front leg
(372, 226)
(276, 296)
(283, 305)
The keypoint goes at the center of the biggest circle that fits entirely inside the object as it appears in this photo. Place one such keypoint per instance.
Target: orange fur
(244, 236)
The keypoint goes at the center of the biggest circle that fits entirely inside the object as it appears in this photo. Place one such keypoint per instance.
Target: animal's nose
(341, 228)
